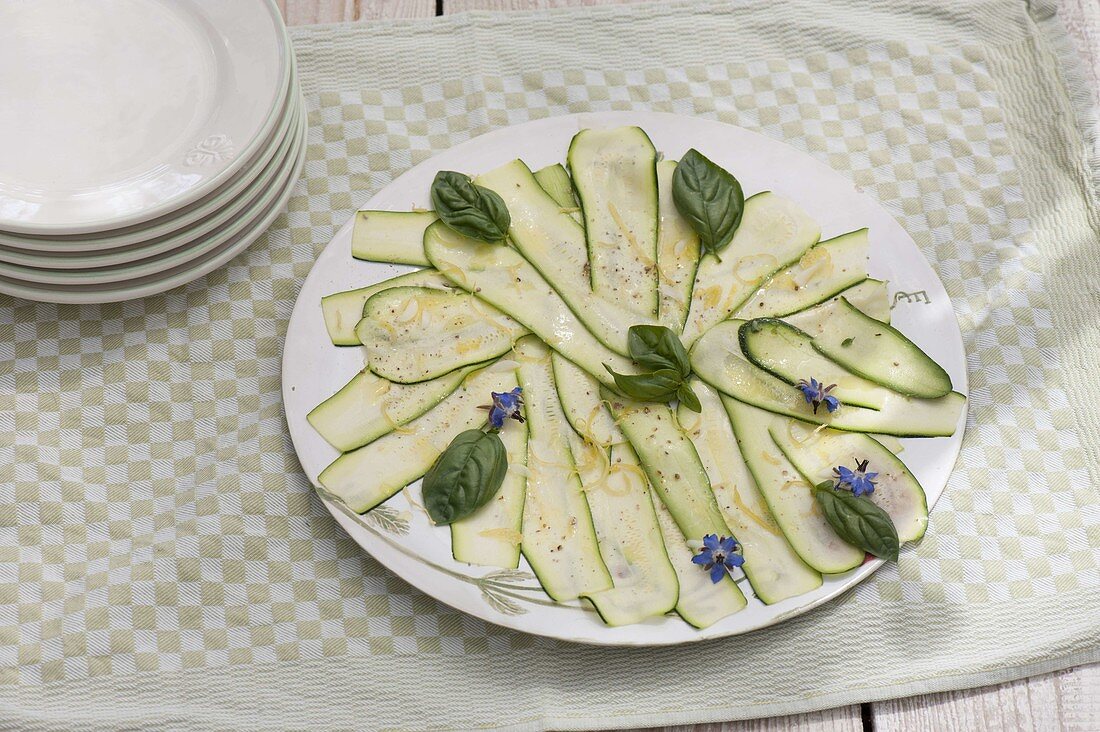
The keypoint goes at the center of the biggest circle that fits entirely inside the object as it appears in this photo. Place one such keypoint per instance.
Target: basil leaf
(710, 198)
(858, 521)
(469, 209)
(688, 399)
(657, 347)
(465, 477)
(658, 386)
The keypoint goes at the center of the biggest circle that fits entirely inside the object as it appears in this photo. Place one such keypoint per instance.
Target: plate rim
(355, 526)
(172, 223)
(162, 282)
(188, 243)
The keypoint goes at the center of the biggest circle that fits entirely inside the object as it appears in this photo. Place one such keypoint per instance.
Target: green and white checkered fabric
(163, 560)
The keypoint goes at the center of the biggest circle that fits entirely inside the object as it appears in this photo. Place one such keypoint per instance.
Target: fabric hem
(1078, 89)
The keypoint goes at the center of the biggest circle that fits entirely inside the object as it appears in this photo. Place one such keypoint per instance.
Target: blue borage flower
(859, 481)
(506, 405)
(816, 393)
(719, 555)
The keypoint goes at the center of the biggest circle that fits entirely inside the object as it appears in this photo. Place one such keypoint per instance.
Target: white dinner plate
(148, 258)
(118, 245)
(274, 202)
(401, 537)
(116, 111)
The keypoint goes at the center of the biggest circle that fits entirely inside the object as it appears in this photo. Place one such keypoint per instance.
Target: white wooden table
(1068, 701)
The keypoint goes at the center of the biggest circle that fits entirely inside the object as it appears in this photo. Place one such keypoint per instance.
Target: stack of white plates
(143, 143)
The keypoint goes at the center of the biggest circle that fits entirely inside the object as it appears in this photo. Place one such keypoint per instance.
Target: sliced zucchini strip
(672, 465)
(891, 443)
(701, 603)
(559, 541)
(816, 452)
(343, 310)
(500, 276)
(554, 243)
(629, 538)
(583, 404)
(394, 237)
(491, 536)
(614, 173)
(774, 569)
(550, 239)
(717, 360)
(789, 496)
(679, 480)
(826, 269)
(677, 253)
(555, 180)
(413, 334)
(869, 296)
(369, 406)
(880, 353)
(366, 477)
(774, 233)
(787, 353)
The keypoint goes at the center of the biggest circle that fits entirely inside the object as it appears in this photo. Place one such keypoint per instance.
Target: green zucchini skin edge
(935, 372)
(779, 397)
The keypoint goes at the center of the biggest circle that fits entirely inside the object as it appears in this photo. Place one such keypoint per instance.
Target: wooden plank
(845, 719)
(1068, 701)
(458, 6)
(304, 12)
(1078, 698)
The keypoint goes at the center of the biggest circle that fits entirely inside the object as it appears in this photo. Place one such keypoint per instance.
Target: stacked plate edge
(143, 143)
